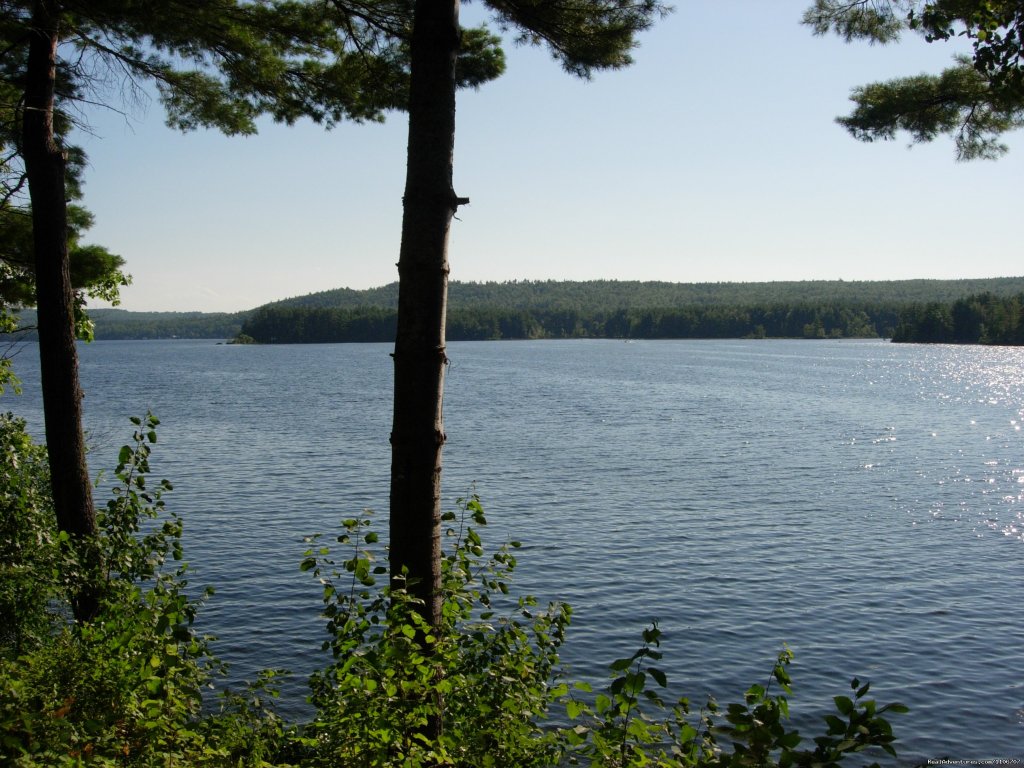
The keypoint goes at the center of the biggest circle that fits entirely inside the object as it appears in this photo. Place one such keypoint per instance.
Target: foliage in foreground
(126, 689)
(491, 672)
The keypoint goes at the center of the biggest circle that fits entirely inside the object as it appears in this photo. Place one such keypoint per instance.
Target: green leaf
(755, 693)
(659, 676)
(789, 740)
(843, 704)
(835, 725)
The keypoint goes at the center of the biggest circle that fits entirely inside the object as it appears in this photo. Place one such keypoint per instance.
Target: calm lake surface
(861, 502)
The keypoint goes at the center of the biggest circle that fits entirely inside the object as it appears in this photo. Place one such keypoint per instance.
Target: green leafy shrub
(29, 542)
(484, 673)
(126, 688)
(630, 724)
(491, 674)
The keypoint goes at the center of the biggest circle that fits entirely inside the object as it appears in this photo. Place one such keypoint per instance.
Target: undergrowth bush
(127, 688)
(491, 674)
(485, 674)
(29, 542)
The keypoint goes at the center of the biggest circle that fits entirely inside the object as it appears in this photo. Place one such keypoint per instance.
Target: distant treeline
(623, 309)
(122, 324)
(119, 324)
(292, 325)
(537, 309)
(980, 319)
(608, 295)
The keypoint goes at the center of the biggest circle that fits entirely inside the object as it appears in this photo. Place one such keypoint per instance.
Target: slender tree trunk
(417, 434)
(62, 395)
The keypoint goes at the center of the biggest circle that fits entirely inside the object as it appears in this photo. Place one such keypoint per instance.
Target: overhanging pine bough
(975, 101)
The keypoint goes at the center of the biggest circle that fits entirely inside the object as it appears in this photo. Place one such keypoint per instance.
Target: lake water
(861, 502)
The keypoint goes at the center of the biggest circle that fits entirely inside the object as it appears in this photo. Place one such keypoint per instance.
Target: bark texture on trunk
(417, 434)
(62, 394)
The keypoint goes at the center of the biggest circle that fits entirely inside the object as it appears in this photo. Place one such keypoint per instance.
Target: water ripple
(861, 502)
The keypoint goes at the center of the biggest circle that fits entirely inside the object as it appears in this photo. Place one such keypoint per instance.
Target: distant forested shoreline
(118, 324)
(964, 311)
(623, 309)
(293, 325)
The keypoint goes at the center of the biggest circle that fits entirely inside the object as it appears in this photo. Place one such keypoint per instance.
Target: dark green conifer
(976, 100)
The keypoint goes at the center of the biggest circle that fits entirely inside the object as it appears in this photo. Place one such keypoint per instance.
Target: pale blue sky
(714, 158)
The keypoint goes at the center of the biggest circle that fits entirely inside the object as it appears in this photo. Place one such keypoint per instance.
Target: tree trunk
(417, 434)
(62, 395)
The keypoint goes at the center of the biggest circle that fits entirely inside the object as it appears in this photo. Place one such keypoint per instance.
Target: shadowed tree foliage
(995, 29)
(95, 272)
(977, 319)
(975, 101)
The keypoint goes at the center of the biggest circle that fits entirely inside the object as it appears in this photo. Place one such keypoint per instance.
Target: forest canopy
(622, 309)
(978, 319)
(539, 309)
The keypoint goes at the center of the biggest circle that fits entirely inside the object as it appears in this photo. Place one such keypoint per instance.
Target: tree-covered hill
(616, 309)
(559, 309)
(615, 294)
